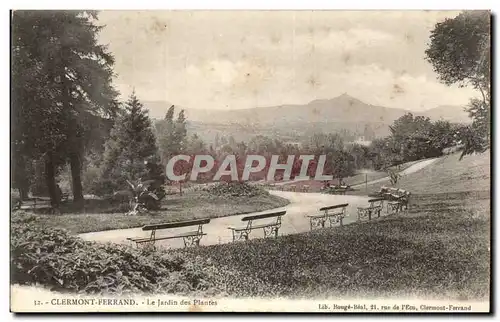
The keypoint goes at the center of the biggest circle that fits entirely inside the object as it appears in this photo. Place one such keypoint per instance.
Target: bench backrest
(398, 191)
(334, 207)
(263, 216)
(376, 199)
(176, 224)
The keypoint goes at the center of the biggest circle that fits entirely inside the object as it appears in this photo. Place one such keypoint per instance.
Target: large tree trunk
(50, 179)
(73, 138)
(21, 179)
(23, 192)
(76, 177)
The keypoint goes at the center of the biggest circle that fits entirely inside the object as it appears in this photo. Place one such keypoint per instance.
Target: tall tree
(71, 76)
(165, 133)
(38, 130)
(171, 134)
(459, 51)
(131, 143)
(180, 131)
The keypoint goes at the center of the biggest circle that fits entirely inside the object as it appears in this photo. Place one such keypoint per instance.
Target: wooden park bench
(64, 197)
(293, 188)
(398, 200)
(337, 190)
(305, 188)
(190, 238)
(334, 214)
(375, 207)
(34, 204)
(269, 228)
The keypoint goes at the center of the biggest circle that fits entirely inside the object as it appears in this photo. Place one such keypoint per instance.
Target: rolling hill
(293, 121)
(343, 109)
(452, 113)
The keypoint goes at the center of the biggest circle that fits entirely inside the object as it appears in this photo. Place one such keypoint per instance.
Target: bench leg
(335, 219)
(239, 235)
(145, 245)
(271, 230)
(317, 223)
(394, 208)
(190, 241)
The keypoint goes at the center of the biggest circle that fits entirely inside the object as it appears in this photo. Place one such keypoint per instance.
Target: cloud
(248, 59)
(376, 85)
(353, 39)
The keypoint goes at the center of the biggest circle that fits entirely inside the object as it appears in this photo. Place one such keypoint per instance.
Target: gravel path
(295, 221)
(411, 169)
(301, 204)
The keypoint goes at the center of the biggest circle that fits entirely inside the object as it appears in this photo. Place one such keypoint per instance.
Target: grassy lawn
(191, 205)
(439, 250)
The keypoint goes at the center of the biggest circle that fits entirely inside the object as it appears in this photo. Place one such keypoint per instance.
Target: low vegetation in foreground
(60, 262)
(441, 249)
(190, 206)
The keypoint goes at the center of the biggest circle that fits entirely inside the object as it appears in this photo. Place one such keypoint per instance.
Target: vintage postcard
(250, 161)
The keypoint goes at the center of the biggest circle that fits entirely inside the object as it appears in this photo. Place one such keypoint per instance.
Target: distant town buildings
(362, 141)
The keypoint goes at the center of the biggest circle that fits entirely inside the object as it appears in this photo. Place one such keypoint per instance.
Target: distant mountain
(342, 113)
(452, 113)
(157, 109)
(340, 109)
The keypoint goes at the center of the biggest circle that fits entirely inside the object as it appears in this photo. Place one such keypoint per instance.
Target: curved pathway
(295, 220)
(411, 169)
(301, 204)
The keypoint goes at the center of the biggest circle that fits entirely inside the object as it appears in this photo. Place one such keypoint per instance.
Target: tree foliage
(131, 144)
(413, 138)
(61, 82)
(459, 52)
(171, 134)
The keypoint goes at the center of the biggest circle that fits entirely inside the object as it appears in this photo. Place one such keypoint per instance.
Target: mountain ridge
(343, 108)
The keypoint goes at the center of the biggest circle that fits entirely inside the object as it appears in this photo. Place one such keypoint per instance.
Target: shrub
(235, 189)
(53, 258)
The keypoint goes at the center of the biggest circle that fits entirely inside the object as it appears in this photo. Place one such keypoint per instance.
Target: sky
(246, 59)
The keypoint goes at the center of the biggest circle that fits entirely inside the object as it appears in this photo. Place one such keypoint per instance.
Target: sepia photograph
(326, 161)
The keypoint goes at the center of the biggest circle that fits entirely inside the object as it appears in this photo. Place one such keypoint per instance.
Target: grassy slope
(441, 249)
(315, 186)
(192, 205)
(375, 175)
(448, 174)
